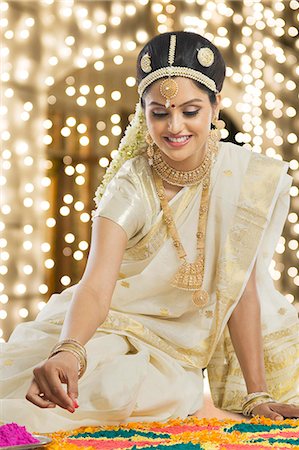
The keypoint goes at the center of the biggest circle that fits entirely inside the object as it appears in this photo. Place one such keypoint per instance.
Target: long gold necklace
(178, 177)
(189, 275)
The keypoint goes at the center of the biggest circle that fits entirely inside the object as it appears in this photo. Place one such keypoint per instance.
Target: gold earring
(215, 133)
(150, 149)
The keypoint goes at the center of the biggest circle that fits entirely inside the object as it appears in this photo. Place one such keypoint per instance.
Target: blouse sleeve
(122, 202)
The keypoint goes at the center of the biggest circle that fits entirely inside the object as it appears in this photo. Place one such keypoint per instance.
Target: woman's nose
(175, 123)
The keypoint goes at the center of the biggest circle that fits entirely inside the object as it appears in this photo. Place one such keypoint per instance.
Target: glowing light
(118, 59)
(20, 289)
(130, 81)
(3, 314)
(142, 36)
(84, 141)
(70, 40)
(49, 263)
(101, 102)
(27, 245)
(71, 121)
(70, 91)
(83, 245)
(101, 29)
(65, 280)
(115, 118)
(69, 170)
(78, 255)
(79, 206)
(28, 269)
(115, 44)
(99, 65)
(99, 89)
(51, 222)
(130, 10)
(3, 299)
(85, 217)
(131, 45)
(64, 210)
(81, 101)
(81, 128)
(80, 180)
(43, 288)
(65, 132)
(116, 130)
(45, 247)
(85, 89)
(115, 95)
(104, 140)
(104, 162)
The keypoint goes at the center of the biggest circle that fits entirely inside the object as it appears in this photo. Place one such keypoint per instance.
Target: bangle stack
(74, 347)
(255, 399)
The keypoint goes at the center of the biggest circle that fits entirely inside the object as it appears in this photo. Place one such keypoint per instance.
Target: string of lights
(68, 87)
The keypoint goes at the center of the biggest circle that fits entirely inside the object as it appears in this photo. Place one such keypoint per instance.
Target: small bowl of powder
(16, 436)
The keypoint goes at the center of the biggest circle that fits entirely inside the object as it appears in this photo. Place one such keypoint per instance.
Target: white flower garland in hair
(132, 144)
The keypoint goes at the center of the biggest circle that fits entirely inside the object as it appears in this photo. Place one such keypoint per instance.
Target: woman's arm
(246, 335)
(92, 297)
(88, 310)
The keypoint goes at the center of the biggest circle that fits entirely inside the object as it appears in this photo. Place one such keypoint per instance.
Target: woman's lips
(177, 142)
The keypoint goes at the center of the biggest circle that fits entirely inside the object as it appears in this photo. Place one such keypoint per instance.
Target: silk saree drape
(145, 361)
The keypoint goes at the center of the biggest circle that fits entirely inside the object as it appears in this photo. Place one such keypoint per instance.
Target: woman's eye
(191, 113)
(159, 114)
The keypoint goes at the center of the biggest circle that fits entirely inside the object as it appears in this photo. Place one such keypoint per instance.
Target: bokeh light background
(68, 89)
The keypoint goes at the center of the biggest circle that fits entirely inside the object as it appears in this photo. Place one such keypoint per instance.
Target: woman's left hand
(276, 411)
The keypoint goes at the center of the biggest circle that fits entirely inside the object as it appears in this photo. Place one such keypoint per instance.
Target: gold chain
(190, 275)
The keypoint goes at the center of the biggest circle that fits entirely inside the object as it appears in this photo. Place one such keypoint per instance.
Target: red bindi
(173, 106)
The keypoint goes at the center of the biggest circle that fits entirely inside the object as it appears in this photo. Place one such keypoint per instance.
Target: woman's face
(180, 131)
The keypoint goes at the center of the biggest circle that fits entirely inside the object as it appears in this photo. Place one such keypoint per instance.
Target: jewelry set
(189, 275)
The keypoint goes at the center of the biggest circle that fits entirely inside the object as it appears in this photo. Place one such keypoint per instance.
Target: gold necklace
(179, 177)
(189, 275)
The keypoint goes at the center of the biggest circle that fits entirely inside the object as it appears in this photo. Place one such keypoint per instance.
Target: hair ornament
(145, 63)
(205, 56)
(171, 53)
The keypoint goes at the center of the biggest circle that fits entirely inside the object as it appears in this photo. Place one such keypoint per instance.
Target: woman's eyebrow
(183, 104)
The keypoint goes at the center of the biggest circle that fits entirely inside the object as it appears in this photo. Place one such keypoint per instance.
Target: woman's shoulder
(239, 154)
(136, 166)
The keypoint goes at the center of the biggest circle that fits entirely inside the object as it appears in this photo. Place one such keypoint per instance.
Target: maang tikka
(169, 88)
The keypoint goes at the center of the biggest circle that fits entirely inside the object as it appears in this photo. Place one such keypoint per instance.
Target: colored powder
(14, 434)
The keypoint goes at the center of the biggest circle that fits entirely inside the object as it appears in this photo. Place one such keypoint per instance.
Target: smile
(178, 141)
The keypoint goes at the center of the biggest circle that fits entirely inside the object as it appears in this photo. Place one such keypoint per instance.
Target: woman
(177, 276)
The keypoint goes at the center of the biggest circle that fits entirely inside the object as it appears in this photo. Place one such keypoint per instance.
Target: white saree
(145, 361)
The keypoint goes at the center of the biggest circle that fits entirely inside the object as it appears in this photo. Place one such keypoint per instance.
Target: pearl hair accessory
(205, 56)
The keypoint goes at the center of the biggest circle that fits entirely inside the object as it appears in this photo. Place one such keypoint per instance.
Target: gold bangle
(74, 347)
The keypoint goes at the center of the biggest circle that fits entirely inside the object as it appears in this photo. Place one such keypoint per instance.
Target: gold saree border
(244, 237)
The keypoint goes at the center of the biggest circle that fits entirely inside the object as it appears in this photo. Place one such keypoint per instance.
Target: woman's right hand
(46, 389)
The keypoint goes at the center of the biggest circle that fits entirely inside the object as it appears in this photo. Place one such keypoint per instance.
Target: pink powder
(14, 434)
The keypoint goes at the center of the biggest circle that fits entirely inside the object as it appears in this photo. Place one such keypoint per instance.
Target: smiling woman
(177, 275)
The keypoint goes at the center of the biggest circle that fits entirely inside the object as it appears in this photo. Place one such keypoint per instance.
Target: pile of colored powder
(14, 434)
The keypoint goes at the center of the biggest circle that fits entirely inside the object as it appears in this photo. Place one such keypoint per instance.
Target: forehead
(186, 90)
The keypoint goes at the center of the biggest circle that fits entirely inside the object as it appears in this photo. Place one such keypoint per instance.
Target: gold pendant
(200, 298)
(189, 276)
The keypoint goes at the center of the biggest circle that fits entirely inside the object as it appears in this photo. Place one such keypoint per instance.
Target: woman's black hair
(187, 46)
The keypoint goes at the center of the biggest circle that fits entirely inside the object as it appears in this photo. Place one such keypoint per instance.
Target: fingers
(72, 389)
(277, 411)
(49, 381)
(289, 411)
(37, 398)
